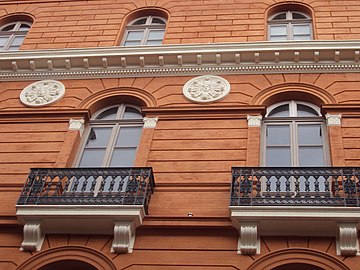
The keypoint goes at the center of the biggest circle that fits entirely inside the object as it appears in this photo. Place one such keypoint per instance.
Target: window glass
(303, 111)
(310, 134)
(281, 111)
(112, 140)
(12, 35)
(289, 25)
(149, 30)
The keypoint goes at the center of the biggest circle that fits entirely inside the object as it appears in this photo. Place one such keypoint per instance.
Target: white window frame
(10, 35)
(289, 23)
(144, 28)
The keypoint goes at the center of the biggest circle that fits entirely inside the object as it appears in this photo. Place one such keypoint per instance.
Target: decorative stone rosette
(42, 93)
(206, 88)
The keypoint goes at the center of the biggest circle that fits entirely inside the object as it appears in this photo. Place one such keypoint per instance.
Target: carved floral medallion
(42, 93)
(206, 88)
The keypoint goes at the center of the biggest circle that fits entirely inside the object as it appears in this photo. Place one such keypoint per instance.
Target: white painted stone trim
(180, 60)
(33, 237)
(248, 242)
(348, 244)
(124, 237)
(333, 119)
(254, 120)
(42, 93)
(119, 220)
(77, 124)
(206, 89)
(150, 122)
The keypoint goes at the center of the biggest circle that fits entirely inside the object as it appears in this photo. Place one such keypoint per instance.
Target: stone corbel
(254, 120)
(33, 237)
(248, 242)
(333, 119)
(348, 244)
(124, 237)
(77, 124)
(150, 122)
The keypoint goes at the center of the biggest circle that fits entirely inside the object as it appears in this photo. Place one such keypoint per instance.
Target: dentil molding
(179, 60)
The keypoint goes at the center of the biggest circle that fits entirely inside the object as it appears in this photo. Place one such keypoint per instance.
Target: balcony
(85, 201)
(296, 201)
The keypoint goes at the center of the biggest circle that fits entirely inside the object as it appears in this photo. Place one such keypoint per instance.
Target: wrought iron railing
(310, 186)
(88, 186)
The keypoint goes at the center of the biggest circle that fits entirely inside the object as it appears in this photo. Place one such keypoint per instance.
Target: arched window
(147, 30)
(294, 135)
(113, 137)
(13, 34)
(289, 25)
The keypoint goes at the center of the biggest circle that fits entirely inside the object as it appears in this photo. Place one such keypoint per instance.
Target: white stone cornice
(254, 120)
(333, 119)
(180, 60)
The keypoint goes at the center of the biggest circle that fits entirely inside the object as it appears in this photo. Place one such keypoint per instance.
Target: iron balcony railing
(88, 186)
(296, 186)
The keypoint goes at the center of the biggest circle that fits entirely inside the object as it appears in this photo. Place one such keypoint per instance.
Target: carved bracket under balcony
(124, 237)
(33, 237)
(248, 242)
(348, 244)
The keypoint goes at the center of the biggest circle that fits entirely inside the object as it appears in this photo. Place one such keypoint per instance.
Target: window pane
(140, 21)
(154, 42)
(129, 136)
(17, 41)
(156, 34)
(303, 110)
(92, 158)
(281, 16)
(3, 41)
(123, 157)
(278, 30)
(134, 35)
(278, 157)
(132, 43)
(301, 30)
(278, 38)
(297, 16)
(157, 21)
(310, 134)
(9, 27)
(311, 156)
(131, 113)
(278, 135)
(24, 27)
(98, 137)
(109, 114)
(307, 37)
(281, 111)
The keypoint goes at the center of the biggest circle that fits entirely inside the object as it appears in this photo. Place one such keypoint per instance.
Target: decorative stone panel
(42, 93)
(150, 122)
(208, 88)
(333, 119)
(254, 120)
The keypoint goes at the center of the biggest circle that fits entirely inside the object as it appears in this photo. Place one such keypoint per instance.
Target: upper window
(289, 25)
(113, 137)
(13, 34)
(147, 30)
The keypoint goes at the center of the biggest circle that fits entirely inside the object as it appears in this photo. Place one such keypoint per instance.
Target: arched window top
(289, 15)
(293, 109)
(118, 112)
(148, 30)
(13, 34)
(290, 25)
(148, 20)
